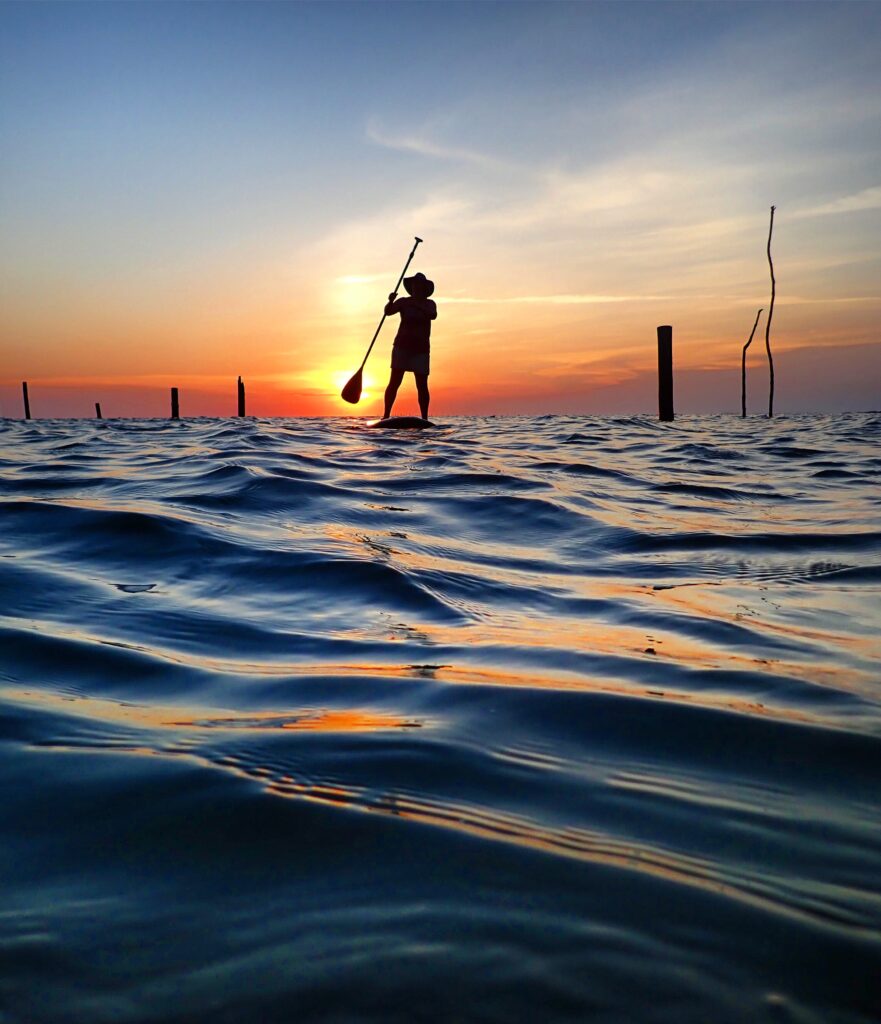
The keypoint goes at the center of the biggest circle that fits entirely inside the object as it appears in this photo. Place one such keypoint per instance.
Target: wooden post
(175, 407)
(665, 373)
(27, 404)
(98, 411)
(241, 391)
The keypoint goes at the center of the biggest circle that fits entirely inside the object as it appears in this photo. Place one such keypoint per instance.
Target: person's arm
(433, 305)
(392, 305)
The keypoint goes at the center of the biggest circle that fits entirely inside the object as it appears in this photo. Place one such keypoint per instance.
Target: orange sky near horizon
(296, 335)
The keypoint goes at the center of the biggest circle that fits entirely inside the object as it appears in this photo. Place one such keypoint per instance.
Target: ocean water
(520, 719)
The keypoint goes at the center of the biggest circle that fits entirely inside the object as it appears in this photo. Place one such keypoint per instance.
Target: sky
(190, 192)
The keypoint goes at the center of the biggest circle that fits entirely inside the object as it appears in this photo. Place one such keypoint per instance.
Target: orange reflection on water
(152, 717)
(349, 720)
(317, 720)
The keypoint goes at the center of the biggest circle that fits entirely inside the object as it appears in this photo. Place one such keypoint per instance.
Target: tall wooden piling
(175, 406)
(241, 393)
(27, 404)
(98, 411)
(665, 373)
(768, 321)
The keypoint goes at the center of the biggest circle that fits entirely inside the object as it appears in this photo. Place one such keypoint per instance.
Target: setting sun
(339, 378)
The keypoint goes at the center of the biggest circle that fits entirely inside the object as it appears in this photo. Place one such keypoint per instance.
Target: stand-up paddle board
(402, 423)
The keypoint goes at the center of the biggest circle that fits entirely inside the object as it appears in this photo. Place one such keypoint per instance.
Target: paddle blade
(351, 393)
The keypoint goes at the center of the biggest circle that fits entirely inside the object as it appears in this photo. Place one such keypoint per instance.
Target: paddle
(352, 391)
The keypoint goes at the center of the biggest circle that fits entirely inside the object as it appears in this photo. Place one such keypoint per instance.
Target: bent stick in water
(743, 366)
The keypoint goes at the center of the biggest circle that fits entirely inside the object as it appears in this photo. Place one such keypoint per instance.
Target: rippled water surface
(531, 719)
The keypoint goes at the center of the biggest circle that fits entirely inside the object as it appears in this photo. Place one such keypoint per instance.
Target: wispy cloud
(798, 300)
(424, 145)
(360, 278)
(553, 300)
(867, 199)
(195, 381)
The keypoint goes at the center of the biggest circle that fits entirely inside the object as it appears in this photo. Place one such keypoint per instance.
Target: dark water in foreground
(526, 719)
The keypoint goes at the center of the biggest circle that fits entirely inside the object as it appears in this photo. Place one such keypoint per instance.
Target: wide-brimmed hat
(419, 285)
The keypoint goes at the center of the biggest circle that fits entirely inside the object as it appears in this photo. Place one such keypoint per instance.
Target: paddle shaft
(397, 286)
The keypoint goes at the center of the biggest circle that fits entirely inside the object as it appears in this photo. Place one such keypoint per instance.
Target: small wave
(704, 491)
(867, 541)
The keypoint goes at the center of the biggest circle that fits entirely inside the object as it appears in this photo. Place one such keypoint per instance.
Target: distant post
(665, 373)
(27, 404)
(175, 407)
(241, 391)
(98, 411)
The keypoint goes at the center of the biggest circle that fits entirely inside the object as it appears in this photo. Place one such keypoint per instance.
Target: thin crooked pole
(768, 321)
(743, 366)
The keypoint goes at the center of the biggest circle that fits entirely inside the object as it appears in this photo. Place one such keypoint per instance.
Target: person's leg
(422, 392)
(391, 392)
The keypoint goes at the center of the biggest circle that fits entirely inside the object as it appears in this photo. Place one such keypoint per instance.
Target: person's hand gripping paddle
(352, 391)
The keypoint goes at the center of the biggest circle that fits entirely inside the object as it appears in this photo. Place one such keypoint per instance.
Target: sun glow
(339, 378)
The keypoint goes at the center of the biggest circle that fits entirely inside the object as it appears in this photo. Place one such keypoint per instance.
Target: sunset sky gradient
(192, 192)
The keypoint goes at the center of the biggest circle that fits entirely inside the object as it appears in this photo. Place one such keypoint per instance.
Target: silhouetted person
(412, 349)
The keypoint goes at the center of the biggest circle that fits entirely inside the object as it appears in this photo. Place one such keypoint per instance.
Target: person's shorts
(415, 362)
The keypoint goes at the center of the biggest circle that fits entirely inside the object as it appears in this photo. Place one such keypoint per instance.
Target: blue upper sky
(205, 102)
